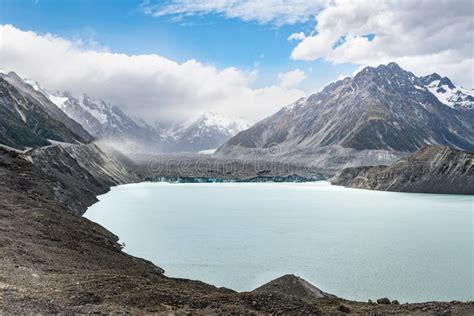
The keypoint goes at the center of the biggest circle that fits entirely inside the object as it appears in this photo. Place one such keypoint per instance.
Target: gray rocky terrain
(200, 167)
(431, 169)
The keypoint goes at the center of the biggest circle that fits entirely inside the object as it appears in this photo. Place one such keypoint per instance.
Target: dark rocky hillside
(28, 119)
(46, 105)
(382, 108)
(429, 170)
(83, 172)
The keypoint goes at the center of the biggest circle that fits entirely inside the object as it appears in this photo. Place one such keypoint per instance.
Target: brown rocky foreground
(52, 260)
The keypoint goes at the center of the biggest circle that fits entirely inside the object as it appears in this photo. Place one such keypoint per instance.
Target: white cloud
(296, 36)
(276, 12)
(422, 36)
(291, 78)
(147, 86)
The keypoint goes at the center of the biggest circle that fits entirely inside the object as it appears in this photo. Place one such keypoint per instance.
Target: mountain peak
(381, 108)
(394, 65)
(13, 74)
(208, 131)
(446, 81)
(222, 120)
(433, 76)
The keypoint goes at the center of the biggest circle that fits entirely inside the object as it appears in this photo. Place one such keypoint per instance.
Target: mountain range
(109, 125)
(383, 112)
(376, 117)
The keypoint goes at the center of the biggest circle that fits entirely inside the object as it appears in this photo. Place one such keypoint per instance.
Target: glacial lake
(356, 244)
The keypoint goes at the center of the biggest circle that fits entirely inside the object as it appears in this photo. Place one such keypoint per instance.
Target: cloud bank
(150, 87)
(291, 78)
(422, 36)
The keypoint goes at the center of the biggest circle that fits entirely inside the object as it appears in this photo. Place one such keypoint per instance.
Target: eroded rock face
(431, 169)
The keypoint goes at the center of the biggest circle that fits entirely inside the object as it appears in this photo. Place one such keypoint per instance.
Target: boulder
(383, 300)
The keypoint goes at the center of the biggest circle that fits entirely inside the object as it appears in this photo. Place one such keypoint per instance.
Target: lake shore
(347, 241)
(52, 260)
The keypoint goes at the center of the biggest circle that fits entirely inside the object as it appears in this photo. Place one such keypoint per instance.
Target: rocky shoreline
(53, 260)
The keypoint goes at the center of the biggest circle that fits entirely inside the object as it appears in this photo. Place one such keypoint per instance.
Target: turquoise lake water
(356, 244)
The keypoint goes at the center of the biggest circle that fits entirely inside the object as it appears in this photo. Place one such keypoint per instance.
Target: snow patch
(59, 101)
(207, 151)
(451, 97)
(99, 108)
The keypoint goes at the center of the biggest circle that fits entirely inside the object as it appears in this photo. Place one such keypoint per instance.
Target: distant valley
(377, 117)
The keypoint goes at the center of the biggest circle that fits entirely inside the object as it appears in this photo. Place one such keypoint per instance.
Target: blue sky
(122, 27)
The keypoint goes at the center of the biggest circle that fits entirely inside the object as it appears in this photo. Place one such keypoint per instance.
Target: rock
(431, 169)
(370, 301)
(383, 300)
(344, 309)
(395, 302)
(292, 285)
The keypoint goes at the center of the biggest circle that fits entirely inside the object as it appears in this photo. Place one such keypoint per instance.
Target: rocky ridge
(431, 169)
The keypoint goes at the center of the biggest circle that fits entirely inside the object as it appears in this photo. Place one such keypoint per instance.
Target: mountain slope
(382, 108)
(431, 169)
(28, 119)
(28, 92)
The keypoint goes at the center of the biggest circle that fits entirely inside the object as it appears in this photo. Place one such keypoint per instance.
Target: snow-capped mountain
(381, 108)
(209, 131)
(106, 122)
(448, 93)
